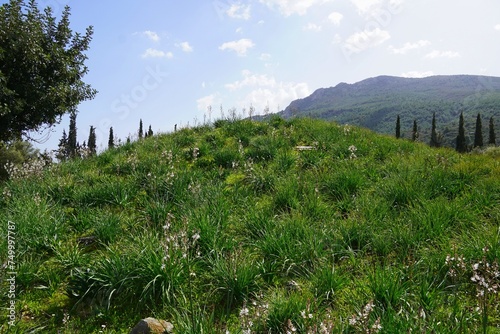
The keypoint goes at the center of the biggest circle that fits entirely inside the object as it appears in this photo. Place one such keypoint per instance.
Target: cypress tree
(461, 143)
(72, 144)
(111, 140)
(150, 131)
(414, 133)
(434, 137)
(478, 135)
(62, 153)
(492, 139)
(140, 130)
(398, 128)
(92, 141)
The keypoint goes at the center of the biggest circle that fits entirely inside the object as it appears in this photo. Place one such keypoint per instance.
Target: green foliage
(91, 142)
(72, 136)
(434, 135)
(492, 137)
(235, 228)
(111, 139)
(414, 133)
(461, 145)
(478, 134)
(17, 153)
(398, 128)
(42, 64)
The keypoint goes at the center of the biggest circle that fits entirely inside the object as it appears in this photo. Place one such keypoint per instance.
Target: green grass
(231, 228)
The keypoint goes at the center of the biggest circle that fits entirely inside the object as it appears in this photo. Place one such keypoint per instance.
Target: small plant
(362, 323)
(486, 277)
(326, 283)
(234, 277)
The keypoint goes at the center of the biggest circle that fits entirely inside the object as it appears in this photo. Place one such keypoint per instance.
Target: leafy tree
(414, 133)
(461, 140)
(141, 133)
(42, 63)
(91, 143)
(150, 131)
(72, 143)
(398, 128)
(434, 136)
(16, 152)
(492, 138)
(111, 140)
(62, 153)
(478, 135)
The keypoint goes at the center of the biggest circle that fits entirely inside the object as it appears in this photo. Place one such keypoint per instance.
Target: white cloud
(312, 27)
(250, 79)
(206, 101)
(265, 57)
(337, 39)
(289, 7)
(151, 35)
(239, 11)
(185, 47)
(417, 74)
(336, 17)
(366, 39)
(265, 90)
(241, 47)
(380, 9)
(409, 46)
(364, 6)
(497, 27)
(442, 54)
(276, 97)
(154, 53)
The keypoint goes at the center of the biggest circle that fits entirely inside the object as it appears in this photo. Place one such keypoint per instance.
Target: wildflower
(353, 150)
(347, 129)
(244, 312)
(195, 237)
(37, 199)
(377, 326)
(6, 193)
(196, 153)
(290, 327)
(65, 319)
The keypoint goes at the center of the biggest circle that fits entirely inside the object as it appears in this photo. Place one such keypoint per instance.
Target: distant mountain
(374, 103)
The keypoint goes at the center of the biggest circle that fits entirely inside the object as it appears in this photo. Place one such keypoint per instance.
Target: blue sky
(166, 61)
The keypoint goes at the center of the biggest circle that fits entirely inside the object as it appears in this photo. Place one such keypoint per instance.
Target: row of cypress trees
(461, 140)
(70, 148)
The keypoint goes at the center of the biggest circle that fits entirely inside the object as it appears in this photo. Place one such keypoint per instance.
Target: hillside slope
(260, 227)
(374, 103)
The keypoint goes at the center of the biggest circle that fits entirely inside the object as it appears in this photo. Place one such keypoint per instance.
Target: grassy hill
(232, 227)
(374, 103)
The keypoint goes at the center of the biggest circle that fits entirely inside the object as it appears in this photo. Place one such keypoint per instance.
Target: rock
(152, 326)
